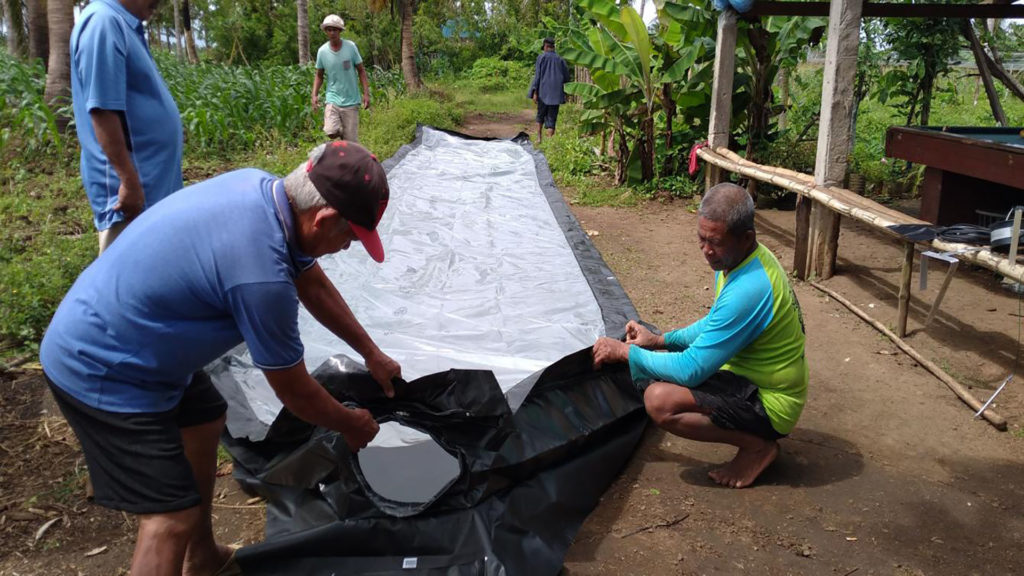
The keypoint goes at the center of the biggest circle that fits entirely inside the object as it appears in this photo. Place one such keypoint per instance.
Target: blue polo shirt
(112, 69)
(209, 267)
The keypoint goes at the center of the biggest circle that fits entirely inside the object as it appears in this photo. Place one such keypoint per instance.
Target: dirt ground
(887, 472)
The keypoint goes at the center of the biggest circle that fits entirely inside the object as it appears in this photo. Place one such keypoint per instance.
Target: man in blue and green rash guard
(738, 375)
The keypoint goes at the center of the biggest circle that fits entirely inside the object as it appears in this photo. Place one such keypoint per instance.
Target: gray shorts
(735, 405)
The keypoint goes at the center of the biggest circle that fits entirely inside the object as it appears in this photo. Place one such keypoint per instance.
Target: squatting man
(738, 375)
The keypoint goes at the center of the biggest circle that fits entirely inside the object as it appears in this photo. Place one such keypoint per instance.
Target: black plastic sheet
(532, 461)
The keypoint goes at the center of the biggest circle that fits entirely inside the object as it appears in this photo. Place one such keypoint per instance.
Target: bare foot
(214, 565)
(746, 466)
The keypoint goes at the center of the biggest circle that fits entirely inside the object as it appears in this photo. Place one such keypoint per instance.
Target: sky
(650, 12)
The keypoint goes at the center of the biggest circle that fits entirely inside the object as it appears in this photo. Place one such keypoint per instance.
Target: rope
(965, 234)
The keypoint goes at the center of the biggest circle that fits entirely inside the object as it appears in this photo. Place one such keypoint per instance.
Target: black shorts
(735, 405)
(547, 114)
(137, 461)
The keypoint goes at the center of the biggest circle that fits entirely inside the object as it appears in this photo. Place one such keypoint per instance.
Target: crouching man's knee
(659, 402)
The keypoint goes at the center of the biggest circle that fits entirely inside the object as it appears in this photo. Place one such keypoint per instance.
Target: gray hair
(300, 189)
(728, 203)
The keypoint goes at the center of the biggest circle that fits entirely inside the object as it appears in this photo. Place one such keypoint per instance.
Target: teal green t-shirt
(340, 69)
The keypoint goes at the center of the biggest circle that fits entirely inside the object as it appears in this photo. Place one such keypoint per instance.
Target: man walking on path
(128, 124)
(738, 375)
(219, 263)
(340, 61)
(547, 89)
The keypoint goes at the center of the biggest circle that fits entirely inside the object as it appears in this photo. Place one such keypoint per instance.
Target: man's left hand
(384, 369)
(366, 101)
(609, 351)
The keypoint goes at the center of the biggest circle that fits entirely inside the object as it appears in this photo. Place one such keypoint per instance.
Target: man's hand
(638, 335)
(384, 369)
(130, 200)
(534, 97)
(366, 100)
(316, 102)
(609, 351)
(360, 430)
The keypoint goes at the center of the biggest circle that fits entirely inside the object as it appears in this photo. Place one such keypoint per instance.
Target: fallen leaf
(42, 529)
(96, 551)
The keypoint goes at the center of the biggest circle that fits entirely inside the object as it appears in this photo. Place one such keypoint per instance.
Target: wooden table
(967, 169)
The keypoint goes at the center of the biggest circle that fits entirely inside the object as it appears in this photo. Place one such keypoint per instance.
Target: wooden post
(721, 92)
(834, 138)
(803, 223)
(905, 276)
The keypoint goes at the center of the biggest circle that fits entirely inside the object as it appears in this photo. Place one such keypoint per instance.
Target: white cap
(333, 21)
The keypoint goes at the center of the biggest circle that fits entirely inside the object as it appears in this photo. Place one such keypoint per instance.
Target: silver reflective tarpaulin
(479, 274)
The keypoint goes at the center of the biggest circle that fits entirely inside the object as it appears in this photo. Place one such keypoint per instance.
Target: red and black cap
(353, 182)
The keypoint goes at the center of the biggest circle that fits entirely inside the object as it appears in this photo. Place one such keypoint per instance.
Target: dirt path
(887, 473)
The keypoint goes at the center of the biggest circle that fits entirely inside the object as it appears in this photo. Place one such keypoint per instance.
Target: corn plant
(28, 127)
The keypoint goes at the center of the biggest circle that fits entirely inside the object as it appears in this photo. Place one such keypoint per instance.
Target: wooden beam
(891, 10)
(906, 273)
(720, 121)
(859, 208)
(834, 137)
(802, 236)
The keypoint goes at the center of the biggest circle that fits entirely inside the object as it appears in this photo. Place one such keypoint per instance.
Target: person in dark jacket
(547, 89)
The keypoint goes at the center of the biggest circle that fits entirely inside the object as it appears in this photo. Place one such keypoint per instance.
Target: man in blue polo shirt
(221, 262)
(128, 124)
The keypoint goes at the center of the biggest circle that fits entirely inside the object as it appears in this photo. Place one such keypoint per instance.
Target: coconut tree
(190, 38)
(406, 10)
(15, 22)
(60, 15)
(302, 7)
(38, 30)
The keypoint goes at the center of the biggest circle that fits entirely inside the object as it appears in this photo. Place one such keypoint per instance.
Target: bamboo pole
(959, 389)
(858, 208)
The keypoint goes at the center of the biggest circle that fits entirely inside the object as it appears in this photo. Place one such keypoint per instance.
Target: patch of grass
(48, 240)
(222, 455)
(384, 133)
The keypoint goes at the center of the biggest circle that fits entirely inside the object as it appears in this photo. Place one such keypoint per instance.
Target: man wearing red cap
(218, 263)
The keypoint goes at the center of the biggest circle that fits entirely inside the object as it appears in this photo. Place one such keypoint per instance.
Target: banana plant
(627, 75)
(643, 79)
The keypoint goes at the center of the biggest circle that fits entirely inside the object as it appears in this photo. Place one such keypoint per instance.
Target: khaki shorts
(342, 122)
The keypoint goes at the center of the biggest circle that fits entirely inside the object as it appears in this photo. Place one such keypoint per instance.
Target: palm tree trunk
(60, 16)
(302, 7)
(38, 31)
(15, 22)
(179, 49)
(409, 71)
(190, 39)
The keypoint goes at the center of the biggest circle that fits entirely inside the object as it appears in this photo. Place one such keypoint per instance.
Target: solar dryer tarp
(504, 437)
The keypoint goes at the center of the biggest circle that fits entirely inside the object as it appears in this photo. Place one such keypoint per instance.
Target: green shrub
(494, 75)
